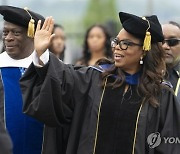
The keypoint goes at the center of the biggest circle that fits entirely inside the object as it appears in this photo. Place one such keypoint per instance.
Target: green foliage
(100, 11)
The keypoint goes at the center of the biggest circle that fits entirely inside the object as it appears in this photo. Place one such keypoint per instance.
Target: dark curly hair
(108, 51)
(153, 69)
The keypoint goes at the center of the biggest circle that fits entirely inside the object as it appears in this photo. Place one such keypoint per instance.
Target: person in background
(58, 42)
(25, 132)
(97, 45)
(111, 108)
(171, 47)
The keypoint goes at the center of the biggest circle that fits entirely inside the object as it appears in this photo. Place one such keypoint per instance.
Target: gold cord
(99, 111)
(135, 132)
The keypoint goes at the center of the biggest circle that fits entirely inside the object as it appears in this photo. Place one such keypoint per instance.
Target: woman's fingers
(48, 24)
(51, 25)
(51, 37)
(45, 23)
(38, 25)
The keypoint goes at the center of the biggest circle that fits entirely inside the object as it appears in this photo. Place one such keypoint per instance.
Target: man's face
(171, 44)
(16, 42)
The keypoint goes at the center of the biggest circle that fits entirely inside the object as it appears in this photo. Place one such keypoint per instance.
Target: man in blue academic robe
(26, 133)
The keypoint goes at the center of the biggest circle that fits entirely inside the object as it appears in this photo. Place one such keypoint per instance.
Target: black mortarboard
(22, 17)
(141, 27)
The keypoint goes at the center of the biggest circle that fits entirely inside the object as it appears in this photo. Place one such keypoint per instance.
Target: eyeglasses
(171, 42)
(123, 44)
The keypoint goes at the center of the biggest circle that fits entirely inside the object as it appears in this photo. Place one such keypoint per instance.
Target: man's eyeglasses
(171, 42)
(123, 44)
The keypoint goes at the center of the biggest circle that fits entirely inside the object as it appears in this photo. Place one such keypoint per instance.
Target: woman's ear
(142, 56)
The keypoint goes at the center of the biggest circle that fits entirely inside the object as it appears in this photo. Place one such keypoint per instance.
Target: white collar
(7, 61)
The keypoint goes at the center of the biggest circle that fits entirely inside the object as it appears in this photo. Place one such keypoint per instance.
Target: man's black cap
(20, 16)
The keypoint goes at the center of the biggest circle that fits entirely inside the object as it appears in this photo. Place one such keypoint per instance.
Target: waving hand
(43, 36)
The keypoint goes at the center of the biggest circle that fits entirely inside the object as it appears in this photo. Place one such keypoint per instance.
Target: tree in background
(102, 12)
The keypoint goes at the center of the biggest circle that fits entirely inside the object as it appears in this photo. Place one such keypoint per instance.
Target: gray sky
(165, 9)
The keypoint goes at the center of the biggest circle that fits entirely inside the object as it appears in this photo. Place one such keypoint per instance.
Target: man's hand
(43, 36)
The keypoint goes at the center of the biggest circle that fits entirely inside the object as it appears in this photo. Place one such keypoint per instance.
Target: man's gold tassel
(31, 26)
(30, 32)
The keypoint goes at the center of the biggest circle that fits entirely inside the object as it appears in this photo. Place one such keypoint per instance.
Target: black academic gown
(5, 142)
(174, 79)
(173, 75)
(67, 96)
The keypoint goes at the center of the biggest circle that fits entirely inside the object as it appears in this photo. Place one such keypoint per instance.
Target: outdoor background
(77, 15)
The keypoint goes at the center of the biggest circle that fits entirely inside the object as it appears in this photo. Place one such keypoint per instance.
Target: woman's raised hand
(43, 36)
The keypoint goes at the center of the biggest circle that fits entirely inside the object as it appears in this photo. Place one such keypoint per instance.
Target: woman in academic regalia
(122, 107)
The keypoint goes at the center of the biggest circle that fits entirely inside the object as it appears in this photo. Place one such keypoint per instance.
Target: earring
(141, 61)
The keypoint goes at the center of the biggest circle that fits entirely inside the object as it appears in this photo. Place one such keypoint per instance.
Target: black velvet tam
(19, 16)
(137, 26)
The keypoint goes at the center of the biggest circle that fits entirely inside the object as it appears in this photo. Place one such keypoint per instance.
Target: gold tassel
(147, 39)
(147, 42)
(30, 32)
(31, 26)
